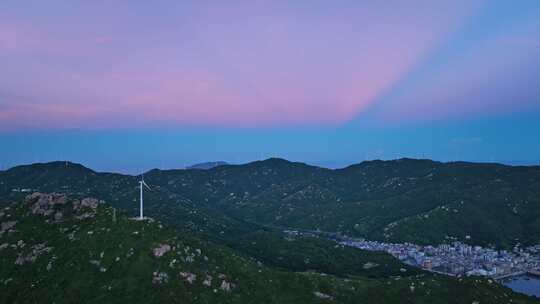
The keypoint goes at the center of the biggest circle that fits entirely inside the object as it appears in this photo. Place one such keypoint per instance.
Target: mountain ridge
(61, 163)
(365, 200)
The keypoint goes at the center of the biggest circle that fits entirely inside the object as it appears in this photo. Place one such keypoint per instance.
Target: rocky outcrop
(369, 265)
(226, 286)
(321, 295)
(88, 202)
(31, 257)
(44, 204)
(190, 277)
(58, 205)
(160, 277)
(7, 226)
(208, 281)
(161, 250)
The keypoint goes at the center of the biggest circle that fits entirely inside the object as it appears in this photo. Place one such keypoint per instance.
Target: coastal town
(454, 259)
(458, 259)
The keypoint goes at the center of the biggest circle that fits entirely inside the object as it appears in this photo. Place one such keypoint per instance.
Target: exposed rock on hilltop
(88, 202)
(7, 226)
(161, 250)
(44, 204)
(58, 204)
(101, 260)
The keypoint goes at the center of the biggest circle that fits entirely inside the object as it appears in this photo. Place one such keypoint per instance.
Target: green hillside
(67, 249)
(419, 201)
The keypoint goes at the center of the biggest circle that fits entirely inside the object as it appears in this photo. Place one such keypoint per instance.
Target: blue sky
(169, 84)
(132, 151)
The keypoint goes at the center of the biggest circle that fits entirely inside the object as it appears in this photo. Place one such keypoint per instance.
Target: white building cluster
(458, 258)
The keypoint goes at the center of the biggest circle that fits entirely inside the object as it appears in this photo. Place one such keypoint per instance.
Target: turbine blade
(146, 185)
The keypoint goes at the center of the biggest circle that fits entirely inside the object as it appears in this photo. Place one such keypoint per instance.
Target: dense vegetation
(419, 201)
(55, 248)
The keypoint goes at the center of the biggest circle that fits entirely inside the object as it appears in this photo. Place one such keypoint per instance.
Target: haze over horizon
(127, 88)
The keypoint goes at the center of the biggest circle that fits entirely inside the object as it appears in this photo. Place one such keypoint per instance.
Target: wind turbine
(142, 184)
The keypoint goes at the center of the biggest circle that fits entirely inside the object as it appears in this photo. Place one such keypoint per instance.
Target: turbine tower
(142, 184)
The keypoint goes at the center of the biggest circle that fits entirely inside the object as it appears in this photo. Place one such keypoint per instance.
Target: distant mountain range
(245, 208)
(207, 165)
(419, 201)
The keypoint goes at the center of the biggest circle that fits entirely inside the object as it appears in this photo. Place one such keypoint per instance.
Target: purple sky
(132, 65)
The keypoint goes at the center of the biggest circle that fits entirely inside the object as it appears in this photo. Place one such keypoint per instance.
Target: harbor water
(526, 284)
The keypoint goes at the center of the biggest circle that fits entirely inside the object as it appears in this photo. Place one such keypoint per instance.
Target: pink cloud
(21, 39)
(257, 64)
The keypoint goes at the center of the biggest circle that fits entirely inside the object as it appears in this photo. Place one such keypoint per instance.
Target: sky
(132, 85)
